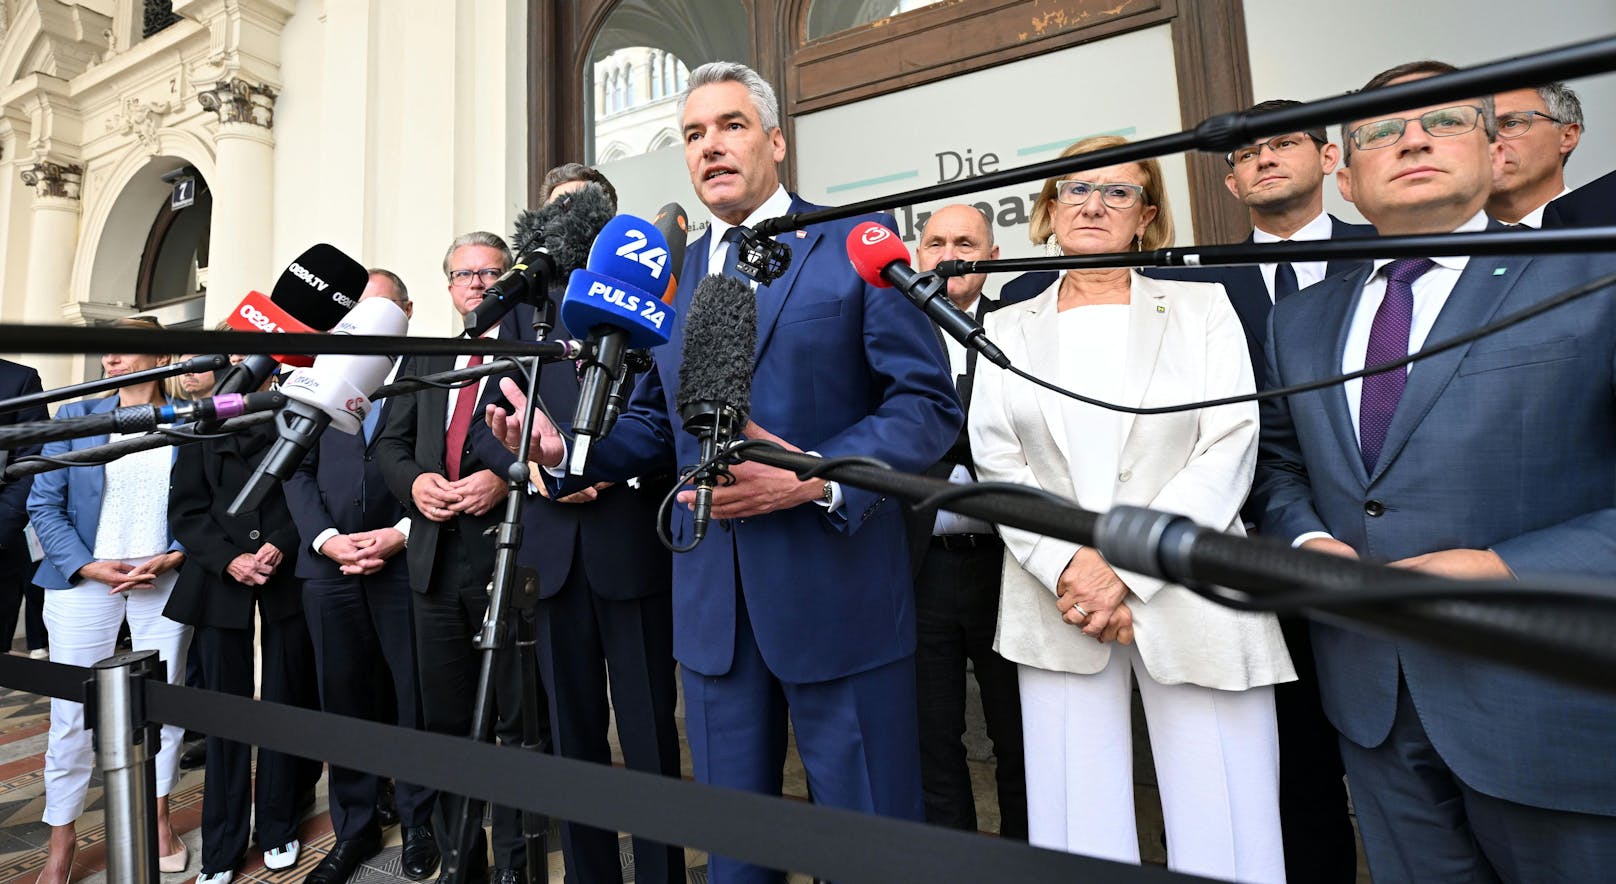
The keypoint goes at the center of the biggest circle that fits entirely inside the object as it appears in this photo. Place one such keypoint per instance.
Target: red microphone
(881, 259)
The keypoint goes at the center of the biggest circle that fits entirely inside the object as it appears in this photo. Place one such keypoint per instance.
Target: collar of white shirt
(779, 203)
(1477, 223)
(1534, 218)
(1317, 229)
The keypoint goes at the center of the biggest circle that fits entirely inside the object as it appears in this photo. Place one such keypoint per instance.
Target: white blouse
(1093, 356)
(134, 505)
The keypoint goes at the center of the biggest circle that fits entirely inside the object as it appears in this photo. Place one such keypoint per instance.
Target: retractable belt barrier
(826, 842)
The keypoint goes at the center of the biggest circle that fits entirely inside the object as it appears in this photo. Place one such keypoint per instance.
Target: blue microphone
(615, 302)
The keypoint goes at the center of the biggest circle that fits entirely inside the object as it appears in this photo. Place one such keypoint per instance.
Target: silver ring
(1080, 612)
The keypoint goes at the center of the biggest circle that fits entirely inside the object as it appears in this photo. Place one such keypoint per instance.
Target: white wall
(1310, 50)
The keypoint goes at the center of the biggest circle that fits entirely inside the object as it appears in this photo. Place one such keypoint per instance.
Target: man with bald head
(956, 561)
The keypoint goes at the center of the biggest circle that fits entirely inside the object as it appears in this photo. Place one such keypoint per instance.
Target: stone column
(52, 242)
(239, 258)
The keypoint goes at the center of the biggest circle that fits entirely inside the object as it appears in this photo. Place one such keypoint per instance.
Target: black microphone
(674, 225)
(132, 419)
(882, 260)
(714, 397)
(550, 243)
(336, 389)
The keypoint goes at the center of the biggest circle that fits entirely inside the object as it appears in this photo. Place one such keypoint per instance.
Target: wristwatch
(828, 495)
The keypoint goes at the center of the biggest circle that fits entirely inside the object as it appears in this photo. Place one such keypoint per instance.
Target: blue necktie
(1284, 281)
(732, 255)
(371, 420)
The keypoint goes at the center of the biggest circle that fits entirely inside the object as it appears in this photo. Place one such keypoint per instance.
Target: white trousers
(83, 623)
(1217, 765)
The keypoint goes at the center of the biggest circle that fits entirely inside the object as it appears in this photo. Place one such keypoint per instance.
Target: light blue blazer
(65, 505)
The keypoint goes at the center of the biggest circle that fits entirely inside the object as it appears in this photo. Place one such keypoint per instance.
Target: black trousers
(230, 792)
(447, 618)
(585, 644)
(357, 623)
(17, 591)
(956, 610)
(1319, 845)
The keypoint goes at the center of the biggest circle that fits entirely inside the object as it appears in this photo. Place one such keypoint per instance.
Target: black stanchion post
(126, 747)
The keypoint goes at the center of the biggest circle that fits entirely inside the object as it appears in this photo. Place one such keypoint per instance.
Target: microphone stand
(73, 391)
(508, 601)
(1569, 240)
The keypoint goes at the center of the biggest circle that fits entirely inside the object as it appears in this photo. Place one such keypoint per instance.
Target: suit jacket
(207, 477)
(17, 380)
(1507, 443)
(412, 442)
(1184, 345)
(1590, 205)
(339, 485)
(65, 504)
(1243, 283)
(614, 535)
(843, 368)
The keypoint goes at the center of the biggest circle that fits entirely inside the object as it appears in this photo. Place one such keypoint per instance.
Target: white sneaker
(215, 878)
(282, 857)
(39, 654)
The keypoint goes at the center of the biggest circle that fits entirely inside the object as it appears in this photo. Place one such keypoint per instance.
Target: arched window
(628, 85)
(176, 252)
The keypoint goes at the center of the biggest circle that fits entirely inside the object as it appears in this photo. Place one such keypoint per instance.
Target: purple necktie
(1388, 341)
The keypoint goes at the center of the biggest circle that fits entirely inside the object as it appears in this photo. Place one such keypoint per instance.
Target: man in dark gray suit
(1493, 460)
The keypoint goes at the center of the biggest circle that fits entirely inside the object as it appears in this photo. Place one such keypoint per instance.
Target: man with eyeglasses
(1495, 460)
(452, 496)
(1538, 128)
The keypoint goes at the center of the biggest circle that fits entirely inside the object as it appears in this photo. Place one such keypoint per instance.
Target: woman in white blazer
(1081, 631)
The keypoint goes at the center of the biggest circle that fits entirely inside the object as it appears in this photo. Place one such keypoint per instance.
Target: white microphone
(335, 390)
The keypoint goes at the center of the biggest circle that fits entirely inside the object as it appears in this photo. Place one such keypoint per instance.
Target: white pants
(1217, 765)
(83, 624)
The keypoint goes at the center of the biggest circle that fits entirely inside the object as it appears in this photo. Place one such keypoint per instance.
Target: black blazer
(206, 478)
(340, 485)
(1243, 284)
(17, 380)
(412, 442)
(615, 534)
(1591, 205)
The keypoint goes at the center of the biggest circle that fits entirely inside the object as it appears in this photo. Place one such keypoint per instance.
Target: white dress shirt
(1307, 272)
(1534, 218)
(947, 522)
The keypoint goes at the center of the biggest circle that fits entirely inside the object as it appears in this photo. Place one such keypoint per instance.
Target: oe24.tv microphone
(312, 295)
(617, 301)
(674, 224)
(549, 244)
(335, 390)
(882, 260)
(714, 396)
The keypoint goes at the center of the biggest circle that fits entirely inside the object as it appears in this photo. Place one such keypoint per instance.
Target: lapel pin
(1161, 308)
(1499, 271)
(802, 234)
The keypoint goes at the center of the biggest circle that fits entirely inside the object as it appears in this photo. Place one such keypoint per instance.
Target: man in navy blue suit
(1496, 459)
(16, 566)
(800, 603)
(356, 598)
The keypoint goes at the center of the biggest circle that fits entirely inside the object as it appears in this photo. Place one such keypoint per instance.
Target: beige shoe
(175, 862)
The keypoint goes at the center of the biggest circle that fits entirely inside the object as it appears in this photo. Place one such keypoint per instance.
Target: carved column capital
(238, 101)
(54, 179)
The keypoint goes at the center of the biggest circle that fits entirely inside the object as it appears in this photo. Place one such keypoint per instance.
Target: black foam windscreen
(720, 340)
(565, 228)
(321, 286)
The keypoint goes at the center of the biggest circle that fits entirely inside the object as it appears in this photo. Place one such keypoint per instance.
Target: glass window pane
(826, 17)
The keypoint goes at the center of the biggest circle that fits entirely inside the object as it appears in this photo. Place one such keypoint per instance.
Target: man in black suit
(452, 492)
(1591, 205)
(16, 566)
(356, 598)
(1281, 181)
(957, 562)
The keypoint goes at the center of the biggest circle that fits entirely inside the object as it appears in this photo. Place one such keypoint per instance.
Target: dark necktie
(1284, 281)
(732, 255)
(1388, 341)
(460, 425)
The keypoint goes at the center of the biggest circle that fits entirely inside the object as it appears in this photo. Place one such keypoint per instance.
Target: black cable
(1397, 591)
(1426, 352)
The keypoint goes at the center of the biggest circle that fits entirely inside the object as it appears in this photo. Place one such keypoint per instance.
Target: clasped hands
(363, 552)
(1090, 595)
(255, 569)
(757, 489)
(440, 500)
(123, 577)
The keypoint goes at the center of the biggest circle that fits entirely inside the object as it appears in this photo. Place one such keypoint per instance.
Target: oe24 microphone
(882, 260)
(714, 396)
(312, 295)
(550, 243)
(335, 390)
(674, 224)
(617, 301)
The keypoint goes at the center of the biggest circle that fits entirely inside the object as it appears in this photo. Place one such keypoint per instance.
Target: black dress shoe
(344, 859)
(507, 876)
(386, 805)
(420, 855)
